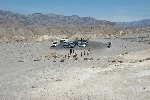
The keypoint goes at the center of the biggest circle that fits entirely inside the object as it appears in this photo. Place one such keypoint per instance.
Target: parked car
(69, 45)
(82, 44)
(54, 44)
(72, 45)
(75, 42)
(64, 40)
(66, 45)
(85, 41)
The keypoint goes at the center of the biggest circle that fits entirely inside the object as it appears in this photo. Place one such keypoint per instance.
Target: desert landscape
(119, 72)
(29, 71)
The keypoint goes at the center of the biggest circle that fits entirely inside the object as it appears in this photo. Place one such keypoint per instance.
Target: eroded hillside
(16, 33)
(9, 33)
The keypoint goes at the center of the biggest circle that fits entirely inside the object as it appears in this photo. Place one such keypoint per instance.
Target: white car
(82, 45)
(54, 44)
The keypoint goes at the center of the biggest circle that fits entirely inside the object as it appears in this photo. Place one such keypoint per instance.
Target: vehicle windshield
(81, 43)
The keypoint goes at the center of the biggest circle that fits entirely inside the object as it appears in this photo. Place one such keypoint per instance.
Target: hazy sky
(111, 10)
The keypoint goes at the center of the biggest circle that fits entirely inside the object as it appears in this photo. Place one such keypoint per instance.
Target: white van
(64, 40)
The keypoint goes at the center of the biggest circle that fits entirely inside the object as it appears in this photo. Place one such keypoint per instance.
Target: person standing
(55, 56)
(88, 52)
(68, 56)
(81, 54)
(89, 49)
(75, 56)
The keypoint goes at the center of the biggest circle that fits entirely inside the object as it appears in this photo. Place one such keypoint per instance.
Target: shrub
(113, 61)
(140, 60)
(20, 61)
(120, 61)
(86, 58)
(147, 58)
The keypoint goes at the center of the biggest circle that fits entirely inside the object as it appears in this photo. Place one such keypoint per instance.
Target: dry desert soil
(121, 72)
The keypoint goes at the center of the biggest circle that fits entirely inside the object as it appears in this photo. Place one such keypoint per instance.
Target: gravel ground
(120, 72)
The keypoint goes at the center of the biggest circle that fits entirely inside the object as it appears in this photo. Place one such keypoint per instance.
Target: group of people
(75, 56)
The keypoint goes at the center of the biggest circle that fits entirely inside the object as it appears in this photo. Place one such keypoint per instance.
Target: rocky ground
(120, 72)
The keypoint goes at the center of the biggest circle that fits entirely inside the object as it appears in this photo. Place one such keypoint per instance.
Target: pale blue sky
(111, 10)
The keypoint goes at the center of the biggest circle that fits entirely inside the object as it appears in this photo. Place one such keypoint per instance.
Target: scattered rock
(120, 61)
(62, 60)
(86, 58)
(147, 58)
(113, 61)
(37, 59)
(34, 86)
(126, 53)
(20, 61)
(59, 80)
(140, 60)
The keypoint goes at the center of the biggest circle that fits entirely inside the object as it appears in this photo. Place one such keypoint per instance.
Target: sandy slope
(113, 74)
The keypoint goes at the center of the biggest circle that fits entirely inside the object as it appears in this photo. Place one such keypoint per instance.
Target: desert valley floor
(121, 72)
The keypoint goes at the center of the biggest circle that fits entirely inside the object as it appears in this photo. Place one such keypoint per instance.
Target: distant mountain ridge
(10, 18)
(134, 24)
(38, 19)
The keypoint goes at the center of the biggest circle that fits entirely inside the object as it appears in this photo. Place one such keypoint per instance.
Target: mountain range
(134, 24)
(10, 18)
(38, 19)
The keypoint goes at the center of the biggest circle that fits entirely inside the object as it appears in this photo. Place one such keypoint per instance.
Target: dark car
(75, 42)
(85, 41)
(66, 45)
(71, 45)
